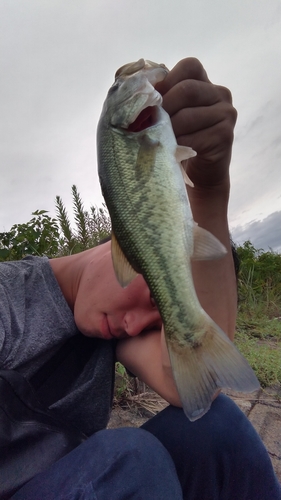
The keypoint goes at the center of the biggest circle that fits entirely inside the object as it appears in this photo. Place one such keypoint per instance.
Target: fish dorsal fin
(206, 245)
(184, 153)
(123, 269)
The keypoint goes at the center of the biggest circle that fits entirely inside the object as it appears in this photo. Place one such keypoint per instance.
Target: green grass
(259, 339)
(258, 334)
(125, 385)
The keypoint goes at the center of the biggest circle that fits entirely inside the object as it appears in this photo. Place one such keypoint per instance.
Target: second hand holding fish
(154, 233)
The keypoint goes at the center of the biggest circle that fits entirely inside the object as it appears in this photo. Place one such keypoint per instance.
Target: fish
(153, 233)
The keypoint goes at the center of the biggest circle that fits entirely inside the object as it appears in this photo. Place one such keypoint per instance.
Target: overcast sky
(58, 58)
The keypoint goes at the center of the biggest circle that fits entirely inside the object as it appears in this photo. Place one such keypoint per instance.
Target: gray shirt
(35, 321)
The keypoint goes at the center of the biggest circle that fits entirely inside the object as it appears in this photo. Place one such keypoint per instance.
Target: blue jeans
(219, 456)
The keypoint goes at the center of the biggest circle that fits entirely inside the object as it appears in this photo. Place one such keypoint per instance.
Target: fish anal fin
(201, 370)
(123, 269)
(206, 245)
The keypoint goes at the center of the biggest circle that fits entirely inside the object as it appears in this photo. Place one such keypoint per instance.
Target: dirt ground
(263, 409)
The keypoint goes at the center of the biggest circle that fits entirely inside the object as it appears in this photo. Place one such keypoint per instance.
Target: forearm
(146, 356)
(215, 280)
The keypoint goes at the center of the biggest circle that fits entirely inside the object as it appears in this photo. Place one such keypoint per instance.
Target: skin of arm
(203, 118)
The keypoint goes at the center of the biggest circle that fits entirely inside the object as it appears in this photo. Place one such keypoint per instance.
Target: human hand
(203, 118)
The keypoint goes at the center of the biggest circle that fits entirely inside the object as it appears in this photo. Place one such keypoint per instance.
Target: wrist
(211, 178)
(209, 203)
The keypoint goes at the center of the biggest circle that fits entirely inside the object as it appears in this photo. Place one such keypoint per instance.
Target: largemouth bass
(153, 233)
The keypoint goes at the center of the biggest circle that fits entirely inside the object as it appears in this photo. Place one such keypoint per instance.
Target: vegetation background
(258, 334)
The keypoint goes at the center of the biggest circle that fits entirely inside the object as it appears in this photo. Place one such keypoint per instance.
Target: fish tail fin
(203, 368)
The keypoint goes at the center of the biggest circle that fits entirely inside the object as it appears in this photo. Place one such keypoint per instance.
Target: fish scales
(150, 232)
(154, 234)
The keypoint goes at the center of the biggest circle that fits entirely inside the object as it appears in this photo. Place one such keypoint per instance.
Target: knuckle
(193, 68)
(229, 113)
(224, 93)
(232, 115)
(193, 63)
(189, 89)
(225, 131)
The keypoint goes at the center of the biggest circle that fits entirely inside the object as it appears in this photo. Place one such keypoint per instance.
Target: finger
(190, 120)
(225, 94)
(190, 94)
(210, 142)
(189, 68)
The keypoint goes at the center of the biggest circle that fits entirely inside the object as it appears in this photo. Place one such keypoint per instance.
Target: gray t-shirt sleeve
(35, 318)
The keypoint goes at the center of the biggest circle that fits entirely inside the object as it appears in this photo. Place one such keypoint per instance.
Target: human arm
(146, 356)
(203, 118)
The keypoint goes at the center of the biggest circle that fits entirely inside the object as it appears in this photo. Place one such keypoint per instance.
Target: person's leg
(112, 464)
(219, 456)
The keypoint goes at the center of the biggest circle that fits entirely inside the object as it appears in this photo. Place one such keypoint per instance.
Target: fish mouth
(139, 107)
(147, 118)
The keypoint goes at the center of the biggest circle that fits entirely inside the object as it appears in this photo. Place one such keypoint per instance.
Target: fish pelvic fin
(206, 245)
(123, 269)
(202, 369)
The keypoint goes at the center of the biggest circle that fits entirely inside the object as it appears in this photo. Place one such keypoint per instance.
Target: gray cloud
(58, 58)
(264, 234)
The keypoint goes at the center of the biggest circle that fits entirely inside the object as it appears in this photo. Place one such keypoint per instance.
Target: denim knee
(224, 429)
(115, 464)
(142, 457)
(218, 456)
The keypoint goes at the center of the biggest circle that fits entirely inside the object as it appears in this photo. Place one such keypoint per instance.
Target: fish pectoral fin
(206, 245)
(123, 269)
(200, 371)
(184, 153)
